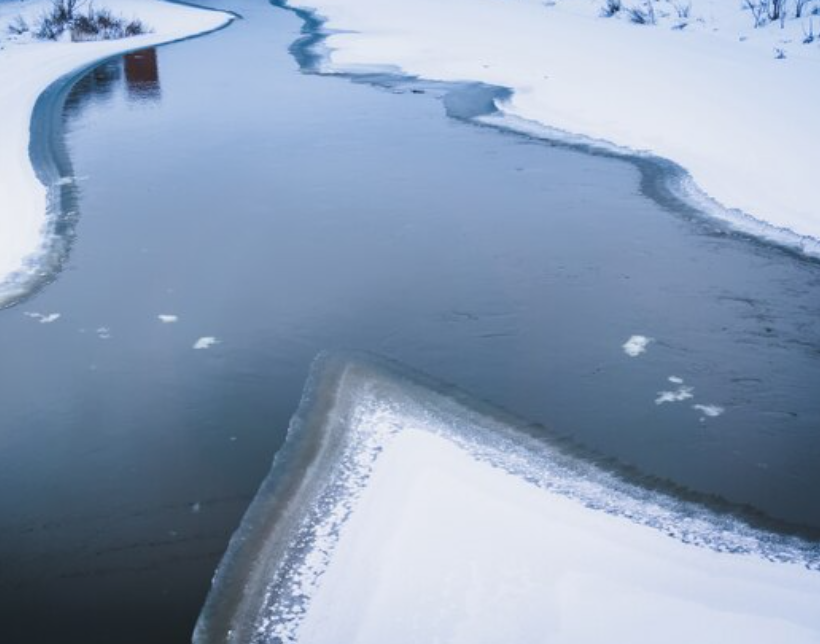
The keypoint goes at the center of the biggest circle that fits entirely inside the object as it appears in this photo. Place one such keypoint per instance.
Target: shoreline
(48, 162)
(663, 180)
(353, 407)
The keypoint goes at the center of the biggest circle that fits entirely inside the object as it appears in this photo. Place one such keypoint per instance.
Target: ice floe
(636, 345)
(43, 318)
(205, 342)
(709, 410)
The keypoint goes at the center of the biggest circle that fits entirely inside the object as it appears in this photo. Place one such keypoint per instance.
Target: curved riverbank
(751, 172)
(284, 214)
(38, 206)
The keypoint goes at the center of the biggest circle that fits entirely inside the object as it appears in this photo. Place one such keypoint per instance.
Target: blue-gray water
(285, 214)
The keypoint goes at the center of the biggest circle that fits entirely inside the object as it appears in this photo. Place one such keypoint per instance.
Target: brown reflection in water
(142, 75)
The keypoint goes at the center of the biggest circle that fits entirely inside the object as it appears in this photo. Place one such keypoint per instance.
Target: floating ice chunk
(675, 380)
(103, 333)
(196, 508)
(681, 393)
(636, 345)
(709, 410)
(167, 318)
(44, 318)
(205, 342)
(64, 181)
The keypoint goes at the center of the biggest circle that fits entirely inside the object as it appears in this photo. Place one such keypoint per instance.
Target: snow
(683, 392)
(712, 96)
(636, 345)
(443, 548)
(43, 318)
(27, 67)
(709, 410)
(399, 512)
(205, 342)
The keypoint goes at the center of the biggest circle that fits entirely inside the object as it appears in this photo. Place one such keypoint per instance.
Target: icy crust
(353, 409)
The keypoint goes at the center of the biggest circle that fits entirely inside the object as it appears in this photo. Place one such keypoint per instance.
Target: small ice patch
(712, 411)
(636, 345)
(44, 318)
(167, 318)
(675, 380)
(681, 393)
(64, 181)
(205, 342)
(103, 333)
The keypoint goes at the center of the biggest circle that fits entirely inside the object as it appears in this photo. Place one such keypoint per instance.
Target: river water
(283, 214)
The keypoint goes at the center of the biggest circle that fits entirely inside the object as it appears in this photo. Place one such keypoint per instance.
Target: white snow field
(707, 92)
(399, 513)
(29, 66)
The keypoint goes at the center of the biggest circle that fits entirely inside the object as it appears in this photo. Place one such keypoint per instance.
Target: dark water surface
(285, 214)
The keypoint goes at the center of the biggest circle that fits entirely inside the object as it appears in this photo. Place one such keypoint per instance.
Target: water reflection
(139, 70)
(142, 75)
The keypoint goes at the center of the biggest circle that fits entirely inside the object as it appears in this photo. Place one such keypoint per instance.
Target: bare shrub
(611, 8)
(683, 10)
(799, 7)
(642, 15)
(18, 26)
(759, 10)
(91, 24)
(808, 35)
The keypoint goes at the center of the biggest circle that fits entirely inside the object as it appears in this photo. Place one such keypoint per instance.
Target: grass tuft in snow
(18, 26)
(611, 8)
(65, 16)
(644, 15)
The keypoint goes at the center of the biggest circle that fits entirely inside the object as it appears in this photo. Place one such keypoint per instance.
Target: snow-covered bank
(27, 68)
(712, 96)
(399, 512)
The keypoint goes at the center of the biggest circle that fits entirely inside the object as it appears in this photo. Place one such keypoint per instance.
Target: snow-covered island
(28, 65)
(727, 89)
(399, 511)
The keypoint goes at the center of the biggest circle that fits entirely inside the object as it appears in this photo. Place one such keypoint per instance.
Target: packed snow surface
(734, 105)
(397, 512)
(27, 67)
(441, 547)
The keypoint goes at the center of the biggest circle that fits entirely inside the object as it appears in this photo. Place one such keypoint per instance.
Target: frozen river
(282, 214)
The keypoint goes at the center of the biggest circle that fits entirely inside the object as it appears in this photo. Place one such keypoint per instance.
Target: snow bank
(397, 512)
(27, 68)
(711, 96)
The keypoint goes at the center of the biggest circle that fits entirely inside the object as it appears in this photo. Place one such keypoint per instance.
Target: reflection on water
(142, 75)
(139, 70)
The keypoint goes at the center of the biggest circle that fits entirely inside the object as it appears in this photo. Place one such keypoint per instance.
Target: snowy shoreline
(689, 99)
(391, 488)
(29, 70)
